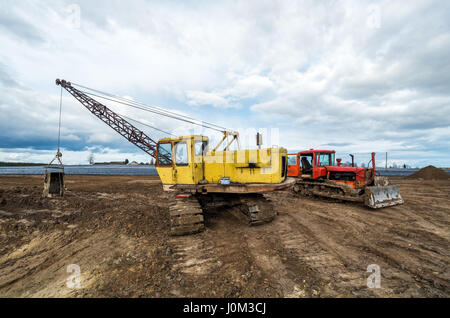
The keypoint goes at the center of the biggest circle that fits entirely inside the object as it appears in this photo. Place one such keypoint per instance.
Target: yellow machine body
(187, 161)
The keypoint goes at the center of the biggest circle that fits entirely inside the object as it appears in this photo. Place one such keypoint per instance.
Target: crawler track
(186, 211)
(186, 215)
(327, 189)
(256, 209)
(252, 209)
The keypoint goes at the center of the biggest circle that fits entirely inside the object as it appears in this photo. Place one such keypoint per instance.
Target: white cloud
(196, 98)
(320, 72)
(241, 87)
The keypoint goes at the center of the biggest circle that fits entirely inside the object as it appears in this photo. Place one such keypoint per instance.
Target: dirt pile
(430, 173)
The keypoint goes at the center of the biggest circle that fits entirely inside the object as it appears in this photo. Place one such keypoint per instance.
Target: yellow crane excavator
(199, 177)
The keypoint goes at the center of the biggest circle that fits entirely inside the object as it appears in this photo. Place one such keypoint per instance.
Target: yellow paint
(241, 166)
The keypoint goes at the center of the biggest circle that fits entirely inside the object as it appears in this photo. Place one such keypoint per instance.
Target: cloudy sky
(355, 76)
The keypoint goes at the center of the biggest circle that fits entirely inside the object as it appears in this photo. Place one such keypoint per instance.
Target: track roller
(255, 209)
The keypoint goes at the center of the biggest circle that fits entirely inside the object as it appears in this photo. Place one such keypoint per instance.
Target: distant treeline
(20, 164)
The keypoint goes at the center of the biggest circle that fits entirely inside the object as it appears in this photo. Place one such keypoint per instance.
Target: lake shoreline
(142, 170)
(100, 170)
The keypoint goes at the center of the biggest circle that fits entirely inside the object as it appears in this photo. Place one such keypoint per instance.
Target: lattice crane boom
(112, 119)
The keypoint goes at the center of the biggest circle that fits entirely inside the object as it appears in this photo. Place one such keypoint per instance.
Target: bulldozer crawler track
(329, 190)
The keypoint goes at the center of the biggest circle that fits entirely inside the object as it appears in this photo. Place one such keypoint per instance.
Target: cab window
(181, 153)
(292, 160)
(305, 160)
(165, 154)
(201, 147)
(324, 159)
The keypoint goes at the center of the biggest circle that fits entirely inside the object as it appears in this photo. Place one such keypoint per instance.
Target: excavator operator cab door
(173, 164)
(199, 149)
(182, 168)
(164, 161)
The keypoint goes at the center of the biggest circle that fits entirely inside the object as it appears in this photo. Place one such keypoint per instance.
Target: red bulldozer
(317, 174)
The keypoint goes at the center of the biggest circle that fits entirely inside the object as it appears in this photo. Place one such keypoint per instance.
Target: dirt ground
(116, 230)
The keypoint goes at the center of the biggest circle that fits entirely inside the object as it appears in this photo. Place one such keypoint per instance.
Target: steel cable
(152, 109)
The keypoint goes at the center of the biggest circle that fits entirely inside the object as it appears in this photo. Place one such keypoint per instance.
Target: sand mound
(430, 173)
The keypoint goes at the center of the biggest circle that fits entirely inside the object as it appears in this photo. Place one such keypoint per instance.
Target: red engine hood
(346, 169)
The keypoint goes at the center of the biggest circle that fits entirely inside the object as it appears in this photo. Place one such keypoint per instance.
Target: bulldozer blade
(383, 196)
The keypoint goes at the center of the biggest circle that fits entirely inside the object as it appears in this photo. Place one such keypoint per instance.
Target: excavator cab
(181, 160)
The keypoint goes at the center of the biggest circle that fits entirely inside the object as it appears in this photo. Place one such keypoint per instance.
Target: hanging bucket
(53, 182)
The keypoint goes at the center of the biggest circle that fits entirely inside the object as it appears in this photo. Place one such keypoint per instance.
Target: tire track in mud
(340, 267)
(290, 257)
(193, 255)
(396, 264)
(432, 284)
(350, 261)
(335, 277)
(215, 261)
(272, 264)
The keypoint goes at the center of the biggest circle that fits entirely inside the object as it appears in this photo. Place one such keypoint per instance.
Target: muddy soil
(116, 230)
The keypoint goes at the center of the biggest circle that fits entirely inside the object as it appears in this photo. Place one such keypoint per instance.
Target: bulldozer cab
(181, 160)
(300, 164)
(310, 163)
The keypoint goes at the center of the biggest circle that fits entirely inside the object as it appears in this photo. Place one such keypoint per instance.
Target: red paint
(323, 172)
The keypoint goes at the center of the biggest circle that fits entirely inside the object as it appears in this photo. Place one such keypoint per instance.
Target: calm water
(112, 170)
(122, 170)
